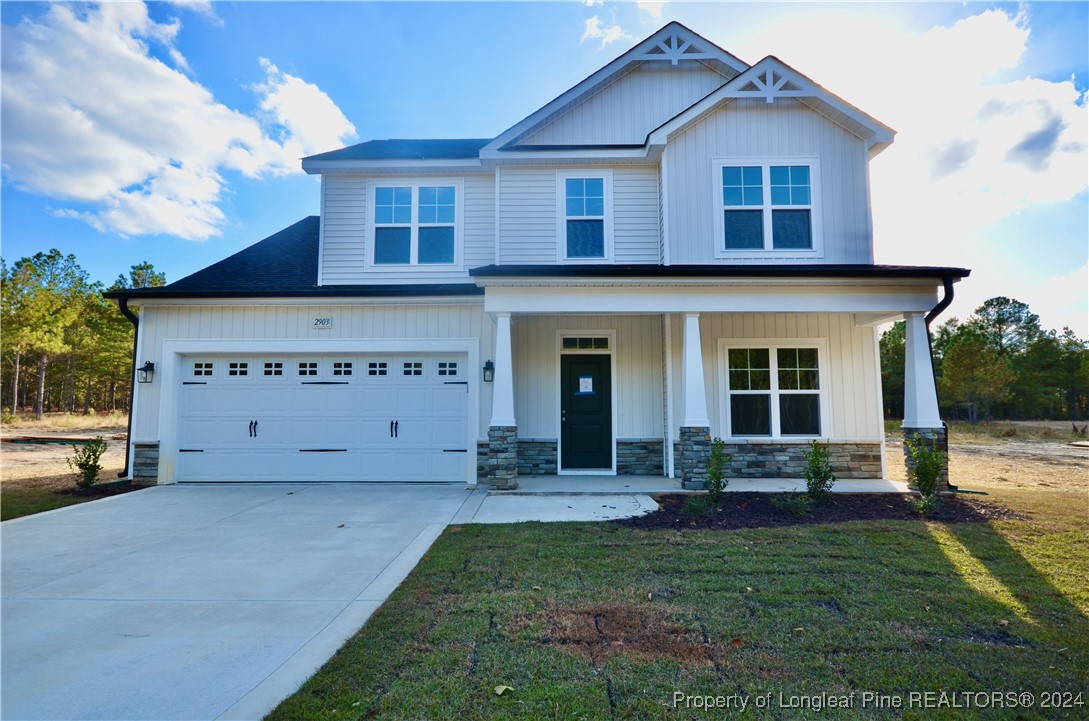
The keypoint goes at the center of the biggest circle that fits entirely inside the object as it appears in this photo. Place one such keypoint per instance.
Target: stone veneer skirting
(775, 459)
(639, 457)
(145, 464)
(932, 438)
(502, 457)
(538, 457)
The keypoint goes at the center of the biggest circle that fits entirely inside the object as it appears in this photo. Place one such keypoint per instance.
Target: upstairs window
(585, 226)
(767, 206)
(415, 224)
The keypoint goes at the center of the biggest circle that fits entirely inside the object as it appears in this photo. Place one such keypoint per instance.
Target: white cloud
(654, 7)
(592, 3)
(610, 34)
(139, 141)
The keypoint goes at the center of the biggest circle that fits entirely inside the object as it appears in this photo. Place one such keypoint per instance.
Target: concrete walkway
(217, 601)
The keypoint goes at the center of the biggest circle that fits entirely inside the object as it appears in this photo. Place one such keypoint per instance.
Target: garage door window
(448, 368)
(238, 368)
(342, 368)
(275, 368)
(413, 369)
(308, 368)
(202, 369)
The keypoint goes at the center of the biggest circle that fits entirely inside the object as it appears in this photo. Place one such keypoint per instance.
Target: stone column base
(145, 464)
(931, 438)
(692, 451)
(502, 458)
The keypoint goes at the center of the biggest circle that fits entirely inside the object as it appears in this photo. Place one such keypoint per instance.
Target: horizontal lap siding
(529, 215)
(754, 128)
(628, 108)
(294, 322)
(637, 386)
(344, 224)
(852, 372)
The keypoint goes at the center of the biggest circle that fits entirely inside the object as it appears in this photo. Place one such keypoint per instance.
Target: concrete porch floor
(622, 485)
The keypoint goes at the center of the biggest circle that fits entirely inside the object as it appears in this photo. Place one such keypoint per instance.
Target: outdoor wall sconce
(489, 372)
(145, 373)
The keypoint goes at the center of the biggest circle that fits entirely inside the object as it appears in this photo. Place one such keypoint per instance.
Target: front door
(586, 428)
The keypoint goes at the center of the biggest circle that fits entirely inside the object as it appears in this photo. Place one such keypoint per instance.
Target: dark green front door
(586, 412)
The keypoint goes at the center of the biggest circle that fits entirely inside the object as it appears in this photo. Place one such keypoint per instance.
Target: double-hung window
(585, 225)
(767, 206)
(774, 391)
(415, 224)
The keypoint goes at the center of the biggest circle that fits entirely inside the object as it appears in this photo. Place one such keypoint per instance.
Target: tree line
(998, 364)
(64, 347)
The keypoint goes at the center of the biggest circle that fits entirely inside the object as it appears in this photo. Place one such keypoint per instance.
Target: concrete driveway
(200, 602)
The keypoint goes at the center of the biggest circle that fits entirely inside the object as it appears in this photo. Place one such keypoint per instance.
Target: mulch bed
(756, 510)
(100, 490)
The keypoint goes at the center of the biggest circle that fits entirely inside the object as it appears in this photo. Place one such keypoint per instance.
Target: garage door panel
(324, 429)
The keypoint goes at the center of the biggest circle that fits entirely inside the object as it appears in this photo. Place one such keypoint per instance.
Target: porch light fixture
(489, 372)
(145, 373)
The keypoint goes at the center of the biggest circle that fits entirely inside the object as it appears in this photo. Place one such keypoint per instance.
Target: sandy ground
(34, 465)
(991, 463)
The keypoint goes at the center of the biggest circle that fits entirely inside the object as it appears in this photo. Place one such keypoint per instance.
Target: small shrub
(6, 416)
(926, 466)
(796, 504)
(818, 471)
(85, 461)
(926, 505)
(694, 506)
(716, 471)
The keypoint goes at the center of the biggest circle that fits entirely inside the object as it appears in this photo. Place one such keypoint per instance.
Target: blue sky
(170, 132)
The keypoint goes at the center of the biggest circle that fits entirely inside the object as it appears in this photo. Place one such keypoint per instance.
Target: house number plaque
(322, 322)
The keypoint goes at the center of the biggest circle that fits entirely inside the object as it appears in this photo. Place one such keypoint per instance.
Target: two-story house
(679, 247)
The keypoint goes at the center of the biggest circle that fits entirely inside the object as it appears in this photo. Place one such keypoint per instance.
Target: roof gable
(674, 45)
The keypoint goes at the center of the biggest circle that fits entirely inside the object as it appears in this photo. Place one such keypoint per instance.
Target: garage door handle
(391, 429)
(255, 429)
(396, 429)
(323, 450)
(454, 450)
(251, 429)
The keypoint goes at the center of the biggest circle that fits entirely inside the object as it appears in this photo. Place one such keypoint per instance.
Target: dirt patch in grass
(601, 631)
(758, 510)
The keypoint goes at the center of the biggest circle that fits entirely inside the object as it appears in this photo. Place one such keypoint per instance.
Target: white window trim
(817, 251)
(772, 344)
(606, 174)
(415, 183)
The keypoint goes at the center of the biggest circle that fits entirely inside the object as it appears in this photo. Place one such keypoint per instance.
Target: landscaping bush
(818, 471)
(716, 471)
(796, 504)
(925, 472)
(85, 461)
(695, 506)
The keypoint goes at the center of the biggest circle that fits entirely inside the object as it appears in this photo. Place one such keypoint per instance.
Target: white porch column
(503, 385)
(693, 388)
(920, 396)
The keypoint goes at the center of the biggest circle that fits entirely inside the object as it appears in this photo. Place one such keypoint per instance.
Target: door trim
(611, 352)
(174, 349)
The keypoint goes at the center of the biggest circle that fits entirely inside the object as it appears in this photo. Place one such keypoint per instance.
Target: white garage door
(323, 418)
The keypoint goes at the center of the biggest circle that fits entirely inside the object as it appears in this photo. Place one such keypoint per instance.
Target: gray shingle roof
(402, 149)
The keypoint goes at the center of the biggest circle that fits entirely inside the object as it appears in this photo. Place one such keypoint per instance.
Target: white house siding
(630, 106)
(853, 366)
(754, 128)
(293, 322)
(529, 215)
(344, 228)
(637, 385)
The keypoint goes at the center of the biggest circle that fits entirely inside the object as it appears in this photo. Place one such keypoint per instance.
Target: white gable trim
(671, 44)
(772, 79)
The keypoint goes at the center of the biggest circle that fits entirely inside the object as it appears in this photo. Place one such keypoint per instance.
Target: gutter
(947, 299)
(123, 304)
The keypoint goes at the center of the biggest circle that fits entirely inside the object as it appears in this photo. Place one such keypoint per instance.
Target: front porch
(551, 485)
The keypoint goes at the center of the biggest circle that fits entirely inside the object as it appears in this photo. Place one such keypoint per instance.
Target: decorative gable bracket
(675, 47)
(771, 84)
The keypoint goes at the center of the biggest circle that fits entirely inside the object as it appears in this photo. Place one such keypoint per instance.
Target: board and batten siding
(294, 322)
(637, 385)
(853, 367)
(754, 128)
(529, 209)
(626, 109)
(344, 227)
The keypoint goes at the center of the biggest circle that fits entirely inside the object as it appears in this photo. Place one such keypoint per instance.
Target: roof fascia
(315, 167)
(882, 134)
(639, 53)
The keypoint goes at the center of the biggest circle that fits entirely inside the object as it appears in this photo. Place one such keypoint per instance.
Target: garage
(350, 417)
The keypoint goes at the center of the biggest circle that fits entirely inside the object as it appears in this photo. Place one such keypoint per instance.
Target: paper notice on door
(586, 384)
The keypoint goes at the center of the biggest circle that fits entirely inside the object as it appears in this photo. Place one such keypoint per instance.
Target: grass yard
(596, 621)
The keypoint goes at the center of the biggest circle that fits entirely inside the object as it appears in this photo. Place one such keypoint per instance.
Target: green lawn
(18, 502)
(593, 621)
